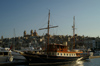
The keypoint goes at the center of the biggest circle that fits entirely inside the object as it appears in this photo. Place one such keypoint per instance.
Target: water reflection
(89, 62)
(71, 63)
(79, 63)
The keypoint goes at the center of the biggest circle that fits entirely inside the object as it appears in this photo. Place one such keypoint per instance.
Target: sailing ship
(55, 52)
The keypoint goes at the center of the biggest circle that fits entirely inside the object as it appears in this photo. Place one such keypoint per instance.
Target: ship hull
(49, 59)
(38, 58)
(3, 58)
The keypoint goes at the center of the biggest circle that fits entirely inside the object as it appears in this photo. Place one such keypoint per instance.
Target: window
(64, 54)
(57, 47)
(62, 47)
(58, 53)
(61, 54)
(1, 53)
(67, 54)
(35, 51)
(5, 53)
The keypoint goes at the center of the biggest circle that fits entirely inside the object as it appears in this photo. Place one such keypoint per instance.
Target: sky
(19, 15)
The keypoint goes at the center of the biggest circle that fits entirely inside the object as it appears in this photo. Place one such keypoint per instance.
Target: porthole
(64, 54)
(58, 53)
(67, 54)
(61, 54)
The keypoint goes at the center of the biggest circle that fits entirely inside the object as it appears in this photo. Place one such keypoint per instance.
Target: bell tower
(24, 32)
(1, 37)
(31, 32)
(35, 33)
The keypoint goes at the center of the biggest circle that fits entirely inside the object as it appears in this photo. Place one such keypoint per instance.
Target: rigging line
(46, 21)
(44, 32)
(50, 27)
(60, 28)
(43, 25)
(57, 23)
(39, 23)
(53, 22)
(61, 31)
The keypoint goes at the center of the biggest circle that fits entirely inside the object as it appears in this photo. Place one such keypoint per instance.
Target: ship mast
(73, 32)
(14, 40)
(48, 27)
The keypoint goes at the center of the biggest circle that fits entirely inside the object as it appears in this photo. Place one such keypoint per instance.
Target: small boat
(5, 55)
(55, 52)
(17, 55)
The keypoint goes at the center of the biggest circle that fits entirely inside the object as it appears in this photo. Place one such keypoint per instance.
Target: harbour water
(89, 62)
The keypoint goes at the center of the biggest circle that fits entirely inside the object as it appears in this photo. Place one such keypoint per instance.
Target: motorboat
(5, 55)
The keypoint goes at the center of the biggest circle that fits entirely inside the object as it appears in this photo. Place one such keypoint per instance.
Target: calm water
(90, 62)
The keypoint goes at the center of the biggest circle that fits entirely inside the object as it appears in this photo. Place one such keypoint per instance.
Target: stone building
(31, 34)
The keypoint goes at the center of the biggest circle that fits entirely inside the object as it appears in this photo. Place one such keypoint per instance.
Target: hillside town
(36, 41)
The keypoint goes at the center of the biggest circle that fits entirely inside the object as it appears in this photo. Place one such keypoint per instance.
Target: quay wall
(91, 57)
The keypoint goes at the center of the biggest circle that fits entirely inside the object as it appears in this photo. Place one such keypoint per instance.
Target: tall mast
(73, 31)
(14, 40)
(48, 27)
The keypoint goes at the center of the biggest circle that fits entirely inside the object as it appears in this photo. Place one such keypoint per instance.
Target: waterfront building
(80, 41)
(97, 43)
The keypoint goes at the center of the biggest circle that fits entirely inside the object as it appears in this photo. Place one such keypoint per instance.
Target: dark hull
(36, 58)
(85, 57)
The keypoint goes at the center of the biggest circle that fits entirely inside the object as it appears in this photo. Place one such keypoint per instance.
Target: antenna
(14, 33)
